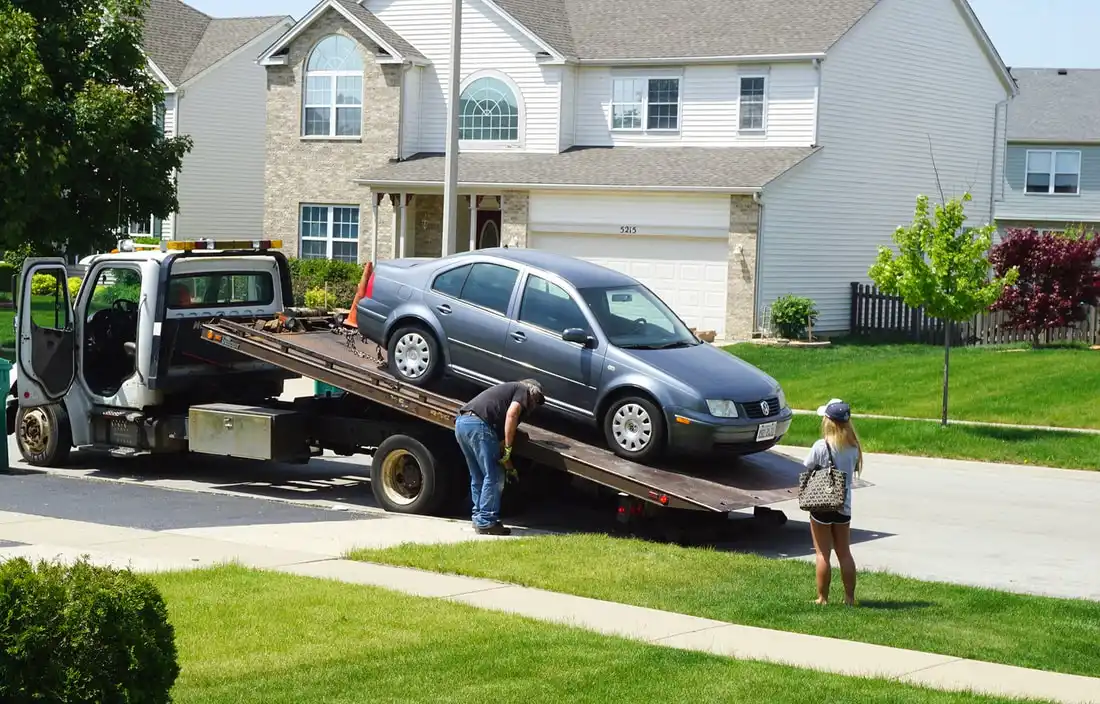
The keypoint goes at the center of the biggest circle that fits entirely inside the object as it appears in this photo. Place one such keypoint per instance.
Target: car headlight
(782, 398)
(722, 409)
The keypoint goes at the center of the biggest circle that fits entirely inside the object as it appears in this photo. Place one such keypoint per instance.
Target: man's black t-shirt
(492, 404)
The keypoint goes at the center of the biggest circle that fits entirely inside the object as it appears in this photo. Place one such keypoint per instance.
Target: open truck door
(46, 331)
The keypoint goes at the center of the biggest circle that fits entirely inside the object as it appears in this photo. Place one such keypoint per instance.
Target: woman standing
(832, 530)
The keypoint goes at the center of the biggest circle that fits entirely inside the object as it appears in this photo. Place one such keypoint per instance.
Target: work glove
(506, 461)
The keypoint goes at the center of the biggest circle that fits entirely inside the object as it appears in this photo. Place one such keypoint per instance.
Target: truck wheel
(44, 435)
(414, 355)
(406, 477)
(634, 429)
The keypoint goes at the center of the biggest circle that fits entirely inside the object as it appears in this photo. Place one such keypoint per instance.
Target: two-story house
(1052, 162)
(216, 94)
(724, 152)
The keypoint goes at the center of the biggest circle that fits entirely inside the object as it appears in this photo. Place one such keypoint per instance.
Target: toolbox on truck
(247, 432)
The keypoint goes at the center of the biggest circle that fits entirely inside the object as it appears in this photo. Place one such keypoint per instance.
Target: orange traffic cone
(352, 320)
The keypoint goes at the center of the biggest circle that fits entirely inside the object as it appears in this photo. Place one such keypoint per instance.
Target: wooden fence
(877, 315)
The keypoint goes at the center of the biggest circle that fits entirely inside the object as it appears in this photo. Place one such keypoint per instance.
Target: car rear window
(221, 289)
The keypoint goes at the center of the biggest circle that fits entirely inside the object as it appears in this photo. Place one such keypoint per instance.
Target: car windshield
(633, 317)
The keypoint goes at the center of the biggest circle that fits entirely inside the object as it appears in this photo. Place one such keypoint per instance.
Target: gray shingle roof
(380, 28)
(650, 29)
(1054, 107)
(674, 168)
(183, 42)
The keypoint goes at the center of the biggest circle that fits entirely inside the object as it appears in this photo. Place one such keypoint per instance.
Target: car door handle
(518, 336)
(444, 309)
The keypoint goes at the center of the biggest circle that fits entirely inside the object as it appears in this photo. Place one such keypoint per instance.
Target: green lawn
(43, 312)
(961, 442)
(1031, 387)
(1049, 634)
(247, 636)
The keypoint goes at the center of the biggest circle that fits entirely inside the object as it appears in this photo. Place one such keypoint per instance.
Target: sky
(1027, 33)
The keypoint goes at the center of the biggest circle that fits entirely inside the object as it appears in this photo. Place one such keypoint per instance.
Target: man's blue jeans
(481, 448)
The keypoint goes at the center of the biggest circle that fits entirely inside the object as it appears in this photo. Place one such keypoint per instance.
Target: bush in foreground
(792, 314)
(83, 633)
(339, 279)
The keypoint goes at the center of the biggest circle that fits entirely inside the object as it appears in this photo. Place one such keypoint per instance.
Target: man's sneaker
(495, 529)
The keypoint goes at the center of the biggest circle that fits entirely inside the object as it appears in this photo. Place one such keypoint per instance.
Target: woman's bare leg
(842, 543)
(823, 546)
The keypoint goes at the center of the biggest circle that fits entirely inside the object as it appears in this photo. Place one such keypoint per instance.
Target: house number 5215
(628, 230)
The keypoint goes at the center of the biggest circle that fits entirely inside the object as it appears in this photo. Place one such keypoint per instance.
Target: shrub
(74, 286)
(790, 314)
(341, 279)
(83, 633)
(7, 276)
(1057, 282)
(43, 285)
(318, 298)
(106, 295)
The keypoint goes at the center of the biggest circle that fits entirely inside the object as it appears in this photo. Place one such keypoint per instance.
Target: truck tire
(634, 429)
(407, 477)
(414, 355)
(44, 435)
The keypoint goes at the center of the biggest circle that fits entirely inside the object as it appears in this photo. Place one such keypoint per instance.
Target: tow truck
(186, 349)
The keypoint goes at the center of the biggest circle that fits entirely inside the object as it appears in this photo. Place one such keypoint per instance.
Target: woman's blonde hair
(841, 435)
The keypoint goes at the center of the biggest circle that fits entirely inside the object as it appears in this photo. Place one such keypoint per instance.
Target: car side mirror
(578, 336)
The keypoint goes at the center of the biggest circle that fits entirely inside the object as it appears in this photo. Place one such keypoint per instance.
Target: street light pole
(450, 183)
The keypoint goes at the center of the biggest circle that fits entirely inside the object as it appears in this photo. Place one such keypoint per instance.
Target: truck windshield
(633, 317)
(221, 289)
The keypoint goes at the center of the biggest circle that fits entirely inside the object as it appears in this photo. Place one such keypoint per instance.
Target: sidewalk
(317, 549)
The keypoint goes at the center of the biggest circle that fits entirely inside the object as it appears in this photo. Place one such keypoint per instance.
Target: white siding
(410, 127)
(568, 107)
(488, 43)
(710, 98)
(221, 185)
(907, 74)
(168, 224)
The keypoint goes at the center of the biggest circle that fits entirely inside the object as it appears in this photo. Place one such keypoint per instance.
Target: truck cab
(116, 362)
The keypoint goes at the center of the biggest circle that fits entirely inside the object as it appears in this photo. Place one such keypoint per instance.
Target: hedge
(311, 278)
(82, 633)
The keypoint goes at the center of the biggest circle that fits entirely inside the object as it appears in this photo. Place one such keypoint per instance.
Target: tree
(1059, 279)
(81, 153)
(943, 267)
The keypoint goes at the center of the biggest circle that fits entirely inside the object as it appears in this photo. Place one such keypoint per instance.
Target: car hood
(714, 373)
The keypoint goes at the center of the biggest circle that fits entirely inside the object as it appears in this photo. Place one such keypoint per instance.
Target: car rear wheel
(634, 428)
(414, 355)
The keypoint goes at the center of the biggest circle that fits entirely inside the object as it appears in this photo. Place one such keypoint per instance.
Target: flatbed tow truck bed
(339, 358)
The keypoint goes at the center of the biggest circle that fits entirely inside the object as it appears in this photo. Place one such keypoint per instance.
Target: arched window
(488, 112)
(334, 89)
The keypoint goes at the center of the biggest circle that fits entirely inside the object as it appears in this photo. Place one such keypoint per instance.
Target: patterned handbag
(822, 488)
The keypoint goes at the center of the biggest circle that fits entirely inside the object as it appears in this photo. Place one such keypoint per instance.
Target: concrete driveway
(1016, 528)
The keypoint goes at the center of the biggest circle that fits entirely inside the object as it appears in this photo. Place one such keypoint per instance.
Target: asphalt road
(1016, 528)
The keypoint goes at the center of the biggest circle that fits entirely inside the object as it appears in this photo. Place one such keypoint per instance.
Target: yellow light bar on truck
(192, 245)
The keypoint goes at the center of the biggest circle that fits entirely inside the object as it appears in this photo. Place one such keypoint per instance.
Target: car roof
(580, 273)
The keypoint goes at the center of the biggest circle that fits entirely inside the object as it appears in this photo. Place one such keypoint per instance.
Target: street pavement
(1022, 529)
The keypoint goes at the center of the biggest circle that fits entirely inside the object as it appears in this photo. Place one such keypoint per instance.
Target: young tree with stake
(942, 266)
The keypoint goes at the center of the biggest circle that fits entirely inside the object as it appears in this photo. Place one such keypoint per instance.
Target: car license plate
(766, 432)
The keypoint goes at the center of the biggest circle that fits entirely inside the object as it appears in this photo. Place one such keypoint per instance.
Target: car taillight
(369, 293)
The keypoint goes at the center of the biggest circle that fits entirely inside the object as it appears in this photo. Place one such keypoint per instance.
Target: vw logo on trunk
(765, 408)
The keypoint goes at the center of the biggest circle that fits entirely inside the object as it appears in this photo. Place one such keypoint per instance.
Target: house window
(147, 227)
(330, 232)
(161, 114)
(488, 112)
(1053, 172)
(334, 89)
(645, 103)
(752, 103)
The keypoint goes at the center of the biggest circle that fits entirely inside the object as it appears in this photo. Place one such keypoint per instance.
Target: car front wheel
(634, 429)
(414, 355)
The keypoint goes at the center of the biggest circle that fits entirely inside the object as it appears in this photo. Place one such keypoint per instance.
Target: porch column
(403, 216)
(473, 221)
(375, 201)
(395, 225)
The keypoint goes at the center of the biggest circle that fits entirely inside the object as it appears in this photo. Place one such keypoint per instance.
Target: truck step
(127, 452)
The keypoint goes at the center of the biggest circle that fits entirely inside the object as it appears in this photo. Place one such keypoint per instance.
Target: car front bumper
(699, 434)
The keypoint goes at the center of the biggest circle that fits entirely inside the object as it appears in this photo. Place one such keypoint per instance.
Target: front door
(569, 372)
(488, 229)
(46, 345)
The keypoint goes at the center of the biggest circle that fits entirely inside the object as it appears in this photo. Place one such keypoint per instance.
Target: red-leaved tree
(1059, 279)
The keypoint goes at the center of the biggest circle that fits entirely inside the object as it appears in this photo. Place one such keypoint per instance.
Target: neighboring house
(215, 93)
(1052, 164)
(724, 152)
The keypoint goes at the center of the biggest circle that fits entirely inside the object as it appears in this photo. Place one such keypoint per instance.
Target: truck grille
(756, 410)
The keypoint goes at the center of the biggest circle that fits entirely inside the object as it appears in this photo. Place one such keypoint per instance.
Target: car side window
(630, 305)
(548, 306)
(450, 283)
(490, 286)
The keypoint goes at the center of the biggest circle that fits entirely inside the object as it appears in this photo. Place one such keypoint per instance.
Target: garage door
(689, 274)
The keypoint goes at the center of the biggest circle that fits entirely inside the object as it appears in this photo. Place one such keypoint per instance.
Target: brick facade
(513, 218)
(321, 171)
(741, 284)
